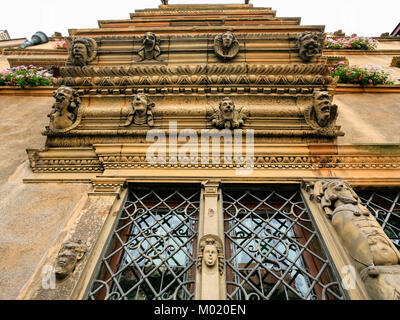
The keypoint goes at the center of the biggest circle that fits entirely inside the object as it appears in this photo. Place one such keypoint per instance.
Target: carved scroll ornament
(227, 117)
(71, 253)
(83, 51)
(140, 111)
(373, 253)
(226, 46)
(212, 253)
(309, 45)
(65, 112)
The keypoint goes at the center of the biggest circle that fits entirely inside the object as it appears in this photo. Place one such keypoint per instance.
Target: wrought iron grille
(385, 206)
(272, 249)
(151, 255)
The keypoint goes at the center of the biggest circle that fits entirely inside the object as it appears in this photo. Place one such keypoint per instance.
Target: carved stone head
(65, 109)
(71, 252)
(309, 45)
(150, 47)
(211, 252)
(83, 51)
(141, 111)
(227, 117)
(382, 250)
(226, 46)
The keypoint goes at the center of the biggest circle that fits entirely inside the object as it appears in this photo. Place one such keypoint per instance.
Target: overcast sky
(22, 18)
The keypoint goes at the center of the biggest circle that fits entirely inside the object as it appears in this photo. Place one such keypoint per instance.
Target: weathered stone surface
(368, 118)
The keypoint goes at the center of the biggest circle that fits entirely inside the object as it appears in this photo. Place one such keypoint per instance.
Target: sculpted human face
(227, 40)
(322, 107)
(210, 255)
(312, 46)
(227, 108)
(63, 99)
(382, 252)
(149, 41)
(66, 260)
(80, 52)
(140, 104)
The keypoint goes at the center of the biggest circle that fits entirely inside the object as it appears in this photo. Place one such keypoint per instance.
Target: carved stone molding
(150, 49)
(374, 255)
(211, 252)
(227, 116)
(71, 252)
(82, 52)
(310, 46)
(226, 46)
(66, 113)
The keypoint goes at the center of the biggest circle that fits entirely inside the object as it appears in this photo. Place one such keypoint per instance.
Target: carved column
(372, 254)
(211, 251)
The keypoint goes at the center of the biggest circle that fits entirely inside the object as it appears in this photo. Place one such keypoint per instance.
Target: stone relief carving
(309, 45)
(373, 253)
(212, 253)
(150, 49)
(226, 46)
(227, 117)
(322, 114)
(65, 111)
(71, 252)
(140, 111)
(83, 52)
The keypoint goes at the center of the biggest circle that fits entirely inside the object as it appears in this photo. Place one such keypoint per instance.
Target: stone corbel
(373, 255)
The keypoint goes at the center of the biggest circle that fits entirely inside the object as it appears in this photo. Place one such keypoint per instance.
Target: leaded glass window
(385, 206)
(273, 251)
(152, 255)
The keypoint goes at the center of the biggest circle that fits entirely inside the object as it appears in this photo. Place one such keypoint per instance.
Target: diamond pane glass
(151, 255)
(272, 249)
(385, 206)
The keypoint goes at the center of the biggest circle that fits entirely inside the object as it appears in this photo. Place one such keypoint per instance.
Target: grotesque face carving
(139, 104)
(226, 46)
(150, 47)
(309, 45)
(227, 117)
(227, 108)
(83, 51)
(141, 111)
(227, 40)
(210, 255)
(69, 255)
(324, 111)
(65, 108)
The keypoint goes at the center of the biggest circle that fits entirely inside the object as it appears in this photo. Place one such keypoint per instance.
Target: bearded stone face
(80, 53)
(227, 40)
(227, 108)
(322, 107)
(140, 104)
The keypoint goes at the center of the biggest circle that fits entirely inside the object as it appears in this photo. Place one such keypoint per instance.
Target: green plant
(23, 76)
(368, 75)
